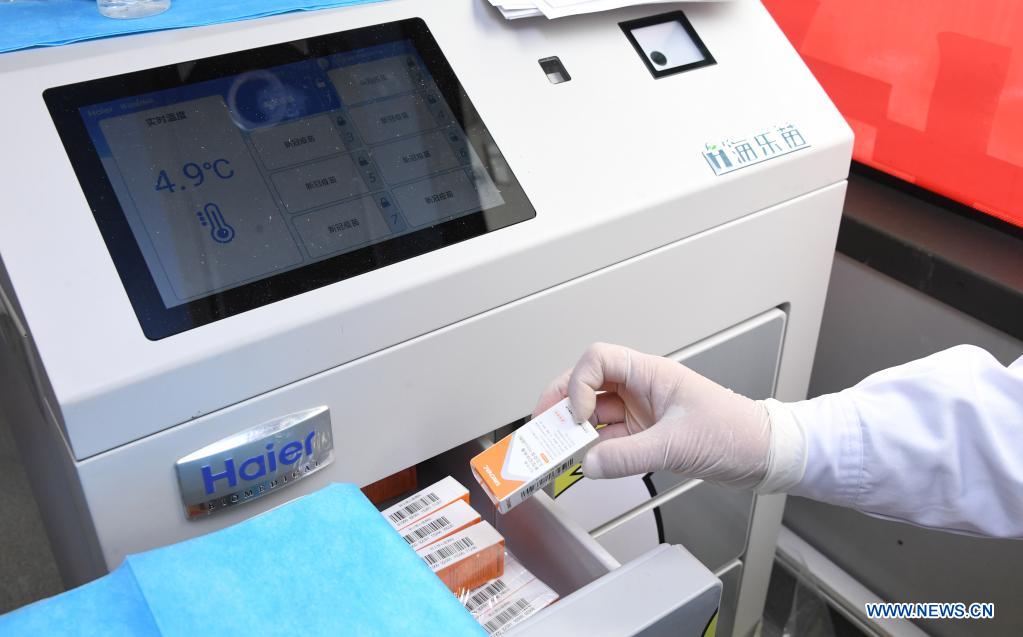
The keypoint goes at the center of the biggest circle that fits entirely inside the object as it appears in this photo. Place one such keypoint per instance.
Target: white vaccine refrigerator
(242, 261)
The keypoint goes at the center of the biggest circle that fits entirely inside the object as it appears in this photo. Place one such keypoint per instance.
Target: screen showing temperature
(238, 178)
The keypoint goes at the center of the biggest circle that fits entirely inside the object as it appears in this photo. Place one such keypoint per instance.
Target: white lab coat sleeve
(937, 442)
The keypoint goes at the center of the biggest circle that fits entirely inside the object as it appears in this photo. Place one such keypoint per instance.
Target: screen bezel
(158, 321)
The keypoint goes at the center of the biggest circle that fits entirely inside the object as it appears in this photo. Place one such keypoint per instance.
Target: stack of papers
(515, 9)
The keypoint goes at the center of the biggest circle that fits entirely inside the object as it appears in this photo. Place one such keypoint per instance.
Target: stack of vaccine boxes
(469, 555)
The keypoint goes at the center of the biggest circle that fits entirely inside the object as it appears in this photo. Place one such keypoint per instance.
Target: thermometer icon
(220, 230)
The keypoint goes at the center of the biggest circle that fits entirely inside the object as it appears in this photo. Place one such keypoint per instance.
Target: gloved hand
(661, 415)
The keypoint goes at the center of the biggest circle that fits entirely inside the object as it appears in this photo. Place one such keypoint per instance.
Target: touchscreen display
(250, 176)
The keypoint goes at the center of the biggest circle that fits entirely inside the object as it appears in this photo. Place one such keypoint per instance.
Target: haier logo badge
(253, 463)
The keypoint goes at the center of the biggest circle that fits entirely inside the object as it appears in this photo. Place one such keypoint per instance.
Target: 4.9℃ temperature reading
(196, 173)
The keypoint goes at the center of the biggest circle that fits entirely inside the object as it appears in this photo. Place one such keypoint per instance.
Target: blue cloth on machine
(325, 564)
(28, 23)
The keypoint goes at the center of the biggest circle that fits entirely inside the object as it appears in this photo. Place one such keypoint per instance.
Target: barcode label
(428, 529)
(490, 591)
(410, 509)
(464, 544)
(514, 610)
(489, 597)
(546, 478)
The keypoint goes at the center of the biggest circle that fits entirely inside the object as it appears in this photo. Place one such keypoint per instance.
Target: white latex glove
(662, 415)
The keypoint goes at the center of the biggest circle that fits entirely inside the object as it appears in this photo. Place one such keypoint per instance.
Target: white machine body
(637, 239)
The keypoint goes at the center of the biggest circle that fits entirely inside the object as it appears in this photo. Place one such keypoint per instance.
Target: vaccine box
(532, 456)
(520, 606)
(468, 559)
(481, 601)
(447, 521)
(426, 502)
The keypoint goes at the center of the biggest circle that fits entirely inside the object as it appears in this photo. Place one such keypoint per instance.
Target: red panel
(933, 89)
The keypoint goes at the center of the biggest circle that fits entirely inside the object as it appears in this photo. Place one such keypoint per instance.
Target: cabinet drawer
(665, 591)
(731, 578)
(710, 520)
(631, 515)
